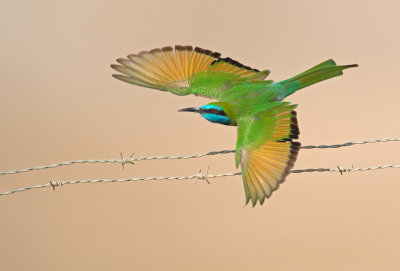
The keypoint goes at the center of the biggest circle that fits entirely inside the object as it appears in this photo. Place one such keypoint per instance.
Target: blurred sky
(58, 102)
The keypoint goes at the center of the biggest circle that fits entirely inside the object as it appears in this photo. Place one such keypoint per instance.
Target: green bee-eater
(267, 126)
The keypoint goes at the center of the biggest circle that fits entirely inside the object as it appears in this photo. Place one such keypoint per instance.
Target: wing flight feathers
(269, 156)
(172, 69)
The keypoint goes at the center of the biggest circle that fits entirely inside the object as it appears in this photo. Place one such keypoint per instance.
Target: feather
(266, 159)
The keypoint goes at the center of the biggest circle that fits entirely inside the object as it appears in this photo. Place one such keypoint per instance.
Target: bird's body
(267, 126)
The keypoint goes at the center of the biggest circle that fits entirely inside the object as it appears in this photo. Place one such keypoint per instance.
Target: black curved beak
(190, 109)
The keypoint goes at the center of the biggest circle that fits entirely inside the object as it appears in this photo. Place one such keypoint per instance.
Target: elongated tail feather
(323, 71)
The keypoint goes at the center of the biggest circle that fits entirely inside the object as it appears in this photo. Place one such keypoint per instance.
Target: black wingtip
(234, 63)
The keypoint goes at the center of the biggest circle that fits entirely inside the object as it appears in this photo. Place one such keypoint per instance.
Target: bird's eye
(212, 110)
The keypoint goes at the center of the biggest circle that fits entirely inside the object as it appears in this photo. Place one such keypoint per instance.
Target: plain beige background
(58, 102)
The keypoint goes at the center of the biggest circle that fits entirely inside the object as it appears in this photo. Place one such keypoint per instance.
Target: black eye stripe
(213, 111)
(217, 112)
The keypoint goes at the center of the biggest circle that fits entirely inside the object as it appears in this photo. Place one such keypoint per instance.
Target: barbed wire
(198, 176)
(132, 159)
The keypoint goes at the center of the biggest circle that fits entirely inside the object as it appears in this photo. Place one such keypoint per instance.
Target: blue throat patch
(216, 118)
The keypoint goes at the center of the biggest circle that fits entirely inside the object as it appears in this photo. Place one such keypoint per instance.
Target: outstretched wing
(182, 71)
(265, 149)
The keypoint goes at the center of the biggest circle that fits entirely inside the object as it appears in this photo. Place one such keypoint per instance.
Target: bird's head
(217, 112)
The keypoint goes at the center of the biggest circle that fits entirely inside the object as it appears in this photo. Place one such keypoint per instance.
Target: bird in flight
(267, 127)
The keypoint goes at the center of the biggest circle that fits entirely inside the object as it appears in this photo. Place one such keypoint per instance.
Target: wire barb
(202, 176)
(126, 160)
(344, 169)
(55, 183)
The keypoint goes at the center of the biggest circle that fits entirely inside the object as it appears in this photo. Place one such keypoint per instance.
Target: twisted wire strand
(131, 159)
(198, 176)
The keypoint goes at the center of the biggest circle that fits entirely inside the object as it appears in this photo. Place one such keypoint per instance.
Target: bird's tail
(321, 72)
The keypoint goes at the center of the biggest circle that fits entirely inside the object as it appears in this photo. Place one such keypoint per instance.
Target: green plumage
(267, 127)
